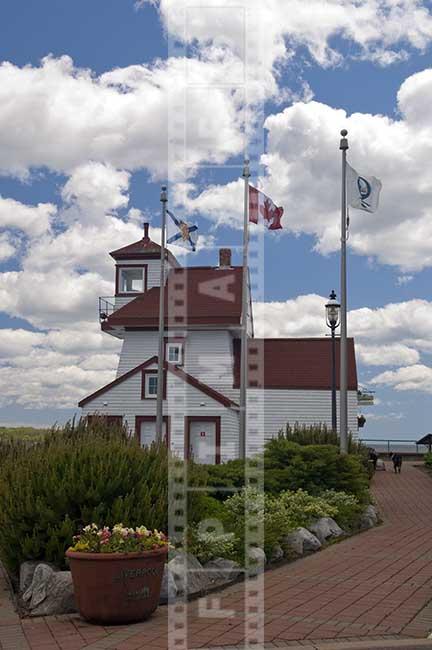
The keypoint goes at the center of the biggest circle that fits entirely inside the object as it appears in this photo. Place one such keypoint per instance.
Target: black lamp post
(333, 321)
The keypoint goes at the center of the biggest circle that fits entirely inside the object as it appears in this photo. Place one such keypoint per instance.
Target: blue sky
(308, 84)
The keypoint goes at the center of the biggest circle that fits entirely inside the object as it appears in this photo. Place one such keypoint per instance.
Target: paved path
(367, 592)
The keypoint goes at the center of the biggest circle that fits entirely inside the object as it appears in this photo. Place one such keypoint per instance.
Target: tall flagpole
(343, 395)
(160, 372)
(244, 318)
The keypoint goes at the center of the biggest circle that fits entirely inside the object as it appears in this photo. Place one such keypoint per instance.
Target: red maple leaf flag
(262, 208)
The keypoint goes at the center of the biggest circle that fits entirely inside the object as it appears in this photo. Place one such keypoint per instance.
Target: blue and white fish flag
(181, 233)
(363, 192)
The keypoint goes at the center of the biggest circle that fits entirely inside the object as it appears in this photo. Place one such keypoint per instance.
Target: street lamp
(333, 321)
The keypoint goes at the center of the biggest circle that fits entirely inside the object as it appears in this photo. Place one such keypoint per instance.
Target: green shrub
(227, 475)
(314, 468)
(348, 508)
(319, 435)
(428, 460)
(301, 508)
(81, 474)
(210, 545)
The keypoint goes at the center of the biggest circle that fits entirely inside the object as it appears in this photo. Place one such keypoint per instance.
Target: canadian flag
(261, 207)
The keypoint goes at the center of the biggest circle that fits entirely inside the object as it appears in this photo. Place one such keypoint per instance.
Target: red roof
(178, 372)
(302, 364)
(203, 295)
(145, 248)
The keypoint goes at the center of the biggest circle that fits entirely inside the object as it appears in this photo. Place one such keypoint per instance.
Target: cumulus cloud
(376, 29)
(60, 117)
(303, 174)
(413, 378)
(55, 368)
(7, 247)
(33, 220)
(93, 190)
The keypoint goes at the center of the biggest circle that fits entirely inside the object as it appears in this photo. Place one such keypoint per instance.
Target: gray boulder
(188, 573)
(300, 542)
(220, 571)
(50, 592)
(26, 573)
(277, 553)
(168, 588)
(257, 561)
(369, 518)
(325, 528)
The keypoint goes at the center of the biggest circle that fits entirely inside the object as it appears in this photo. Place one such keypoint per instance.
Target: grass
(22, 433)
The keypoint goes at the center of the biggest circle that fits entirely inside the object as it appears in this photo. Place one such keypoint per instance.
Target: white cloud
(93, 190)
(303, 174)
(30, 219)
(412, 378)
(387, 355)
(57, 368)
(61, 117)
(7, 247)
(403, 280)
(376, 28)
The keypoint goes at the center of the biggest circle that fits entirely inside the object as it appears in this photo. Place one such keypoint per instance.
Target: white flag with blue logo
(363, 192)
(181, 233)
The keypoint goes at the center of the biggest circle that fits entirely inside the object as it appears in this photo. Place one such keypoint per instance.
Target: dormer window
(174, 352)
(131, 279)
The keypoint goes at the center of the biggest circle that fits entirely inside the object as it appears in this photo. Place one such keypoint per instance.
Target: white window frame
(125, 269)
(148, 394)
(174, 344)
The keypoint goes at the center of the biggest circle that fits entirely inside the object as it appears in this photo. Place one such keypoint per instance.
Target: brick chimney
(146, 230)
(224, 258)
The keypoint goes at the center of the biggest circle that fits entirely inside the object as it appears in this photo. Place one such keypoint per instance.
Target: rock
(257, 561)
(369, 518)
(26, 573)
(301, 541)
(221, 570)
(168, 588)
(277, 553)
(50, 592)
(188, 574)
(325, 528)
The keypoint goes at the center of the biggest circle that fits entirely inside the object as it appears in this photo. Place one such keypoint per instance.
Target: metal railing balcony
(106, 307)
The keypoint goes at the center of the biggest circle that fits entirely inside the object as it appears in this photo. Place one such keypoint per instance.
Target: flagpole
(244, 319)
(343, 395)
(160, 372)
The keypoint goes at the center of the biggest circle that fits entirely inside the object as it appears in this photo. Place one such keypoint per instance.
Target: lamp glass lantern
(333, 309)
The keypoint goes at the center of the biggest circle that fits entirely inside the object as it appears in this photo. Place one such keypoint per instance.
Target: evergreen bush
(78, 475)
(314, 468)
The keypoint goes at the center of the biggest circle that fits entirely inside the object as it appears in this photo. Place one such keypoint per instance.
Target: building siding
(269, 411)
(208, 356)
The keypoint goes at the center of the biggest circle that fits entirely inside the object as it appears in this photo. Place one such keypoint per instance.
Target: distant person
(397, 462)
(373, 456)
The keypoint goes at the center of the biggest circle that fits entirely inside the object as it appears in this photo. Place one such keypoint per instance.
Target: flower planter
(115, 588)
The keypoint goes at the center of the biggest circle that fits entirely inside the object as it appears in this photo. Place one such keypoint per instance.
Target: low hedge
(291, 466)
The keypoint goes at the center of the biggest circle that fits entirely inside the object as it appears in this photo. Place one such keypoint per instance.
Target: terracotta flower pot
(115, 588)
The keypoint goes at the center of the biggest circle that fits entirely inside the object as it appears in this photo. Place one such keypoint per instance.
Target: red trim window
(131, 279)
(174, 350)
(149, 384)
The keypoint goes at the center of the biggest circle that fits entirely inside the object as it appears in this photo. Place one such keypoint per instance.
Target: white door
(202, 440)
(148, 432)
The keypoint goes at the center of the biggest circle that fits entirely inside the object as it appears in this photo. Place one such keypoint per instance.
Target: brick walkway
(375, 586)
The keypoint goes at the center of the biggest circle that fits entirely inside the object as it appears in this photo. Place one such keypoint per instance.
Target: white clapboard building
(289, 379)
